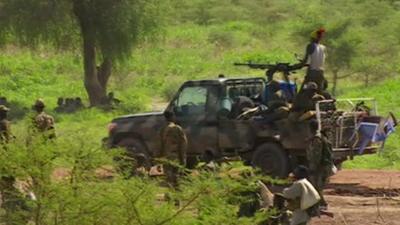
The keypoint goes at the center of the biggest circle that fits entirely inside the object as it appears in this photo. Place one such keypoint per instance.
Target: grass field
(199, 39)
(202, 42)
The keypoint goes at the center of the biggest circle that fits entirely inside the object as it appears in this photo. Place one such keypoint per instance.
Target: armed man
(320, 160)
(173, 148)
(5, 133)
(315, 59)
(304, 104)
(42, 122)
(302, 197)
(278, 106)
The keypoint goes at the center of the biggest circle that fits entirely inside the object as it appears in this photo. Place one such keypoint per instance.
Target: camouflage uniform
(174, 144)
(5, 133)
(319, 156)
(13, 202)
(304, 102)
(42, 122)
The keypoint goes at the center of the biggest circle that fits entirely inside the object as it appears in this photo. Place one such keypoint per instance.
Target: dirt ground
(363, 197)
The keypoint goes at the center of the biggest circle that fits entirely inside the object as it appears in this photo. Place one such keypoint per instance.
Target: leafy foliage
(74, 183)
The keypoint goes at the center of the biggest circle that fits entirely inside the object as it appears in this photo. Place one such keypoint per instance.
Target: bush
(74, 182)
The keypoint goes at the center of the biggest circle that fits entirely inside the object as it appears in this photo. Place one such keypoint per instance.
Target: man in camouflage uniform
(278, 107)
(42, 122)
(304, 104)
(12, 200)
(5, 133)
(173, 148)
(320, 160)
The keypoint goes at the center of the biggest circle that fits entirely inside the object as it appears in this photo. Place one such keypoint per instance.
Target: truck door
(195, 110)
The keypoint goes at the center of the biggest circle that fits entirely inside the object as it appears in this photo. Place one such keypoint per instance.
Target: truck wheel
(271, 159)
(136, 149)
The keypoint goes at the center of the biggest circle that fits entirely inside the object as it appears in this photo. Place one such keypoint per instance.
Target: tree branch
(194, 198)
(346, 75)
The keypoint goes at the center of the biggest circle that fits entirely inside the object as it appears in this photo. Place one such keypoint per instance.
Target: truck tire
(136, 149)
(271, 159)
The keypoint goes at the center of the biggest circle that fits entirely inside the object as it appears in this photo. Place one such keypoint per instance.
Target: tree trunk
(95, 79)
(104, 72)
(95, 91)
(335, 81)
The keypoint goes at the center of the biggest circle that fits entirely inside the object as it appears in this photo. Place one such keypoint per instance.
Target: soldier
(304, 103)
(278, 107)
(302, 197)
(173, 147)
(69, 105)
(112, 100)
(5, 133)
(4, 101)
(240, 105)
(78, 103)
(42, 122)
(13, 202)
(315, 59)
(60, 105)
(320, 160)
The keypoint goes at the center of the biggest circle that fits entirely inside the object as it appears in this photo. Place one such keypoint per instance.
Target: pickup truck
(203, 109)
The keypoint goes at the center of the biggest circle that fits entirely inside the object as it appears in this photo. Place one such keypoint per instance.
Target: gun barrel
(255, 65)
(241, 64)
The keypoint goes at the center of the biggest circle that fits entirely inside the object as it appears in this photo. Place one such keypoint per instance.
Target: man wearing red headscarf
(315, 60)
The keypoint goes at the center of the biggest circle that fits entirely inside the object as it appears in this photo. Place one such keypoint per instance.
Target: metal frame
(340, 121)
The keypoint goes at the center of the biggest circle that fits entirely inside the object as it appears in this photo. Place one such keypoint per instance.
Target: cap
(3, 108)
(39, 103)
(317, 33)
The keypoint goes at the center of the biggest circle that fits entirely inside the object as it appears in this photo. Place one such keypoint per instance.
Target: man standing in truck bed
(315, 59)
(173, 148)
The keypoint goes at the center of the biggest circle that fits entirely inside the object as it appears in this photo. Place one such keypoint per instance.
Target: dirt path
(363, 197)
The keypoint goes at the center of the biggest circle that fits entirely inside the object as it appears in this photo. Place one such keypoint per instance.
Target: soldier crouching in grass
(302, 197)
(173, 148)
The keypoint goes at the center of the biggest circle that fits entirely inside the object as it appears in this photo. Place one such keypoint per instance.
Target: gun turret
(256, 65)
(285, 68)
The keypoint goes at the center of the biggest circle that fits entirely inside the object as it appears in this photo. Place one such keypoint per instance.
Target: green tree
(342, 48)
(107, 30)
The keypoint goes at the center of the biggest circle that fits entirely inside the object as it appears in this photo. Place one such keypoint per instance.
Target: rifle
(285, 68)
(326, 213)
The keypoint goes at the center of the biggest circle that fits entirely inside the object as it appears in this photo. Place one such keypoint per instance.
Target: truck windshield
(192, 101)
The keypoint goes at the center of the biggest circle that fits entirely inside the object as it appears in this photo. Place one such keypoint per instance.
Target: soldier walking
(42, 122)
(173, 148)
(320, 159)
